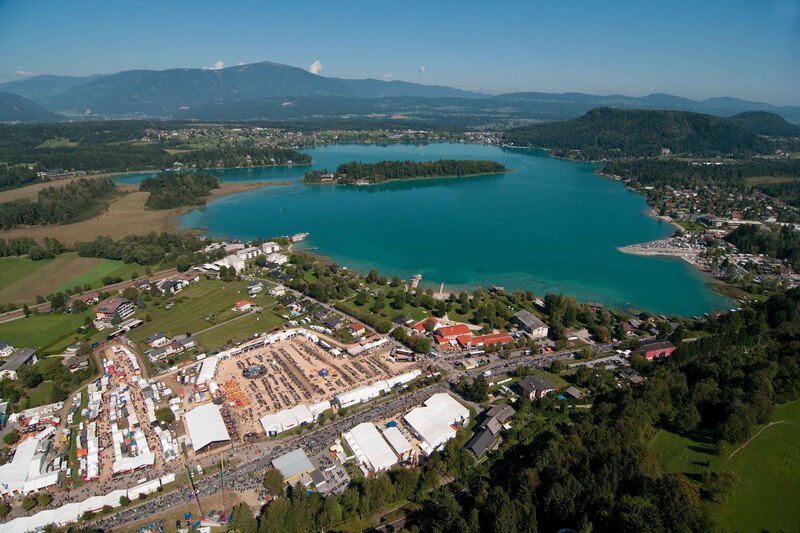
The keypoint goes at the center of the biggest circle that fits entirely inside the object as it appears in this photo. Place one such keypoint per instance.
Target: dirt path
(751, 439)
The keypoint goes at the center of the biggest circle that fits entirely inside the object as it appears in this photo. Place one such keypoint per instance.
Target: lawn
(768, 468)
(41, 331)
(238, 329)
(205, 303)
(22, 279)
(40, 395)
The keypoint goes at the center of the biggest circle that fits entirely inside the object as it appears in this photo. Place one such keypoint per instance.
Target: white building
(231, 261)
(270, 247)
(434, 423)
(248, 253)
(27, 472)
(278, 259)
(369, 392)
(205, 427)
(369, 447)
(299, 415)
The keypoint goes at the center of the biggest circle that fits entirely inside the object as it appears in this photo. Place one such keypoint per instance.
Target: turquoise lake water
(548, 226)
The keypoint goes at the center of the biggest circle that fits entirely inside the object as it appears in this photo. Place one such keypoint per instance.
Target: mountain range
(274, 91)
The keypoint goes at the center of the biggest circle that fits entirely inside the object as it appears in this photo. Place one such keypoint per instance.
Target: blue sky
(747, 49)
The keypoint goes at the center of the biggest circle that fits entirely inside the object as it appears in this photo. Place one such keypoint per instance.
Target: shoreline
(127, 215)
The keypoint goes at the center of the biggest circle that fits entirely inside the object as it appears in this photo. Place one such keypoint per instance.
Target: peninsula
(356, 173)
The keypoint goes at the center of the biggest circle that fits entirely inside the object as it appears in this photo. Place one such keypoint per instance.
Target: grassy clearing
(40, 395)
(41, 331)
(238, 329)
(768, 468)
(204, 304)
(766, 180)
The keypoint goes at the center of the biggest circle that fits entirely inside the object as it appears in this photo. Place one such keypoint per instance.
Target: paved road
(238, 477)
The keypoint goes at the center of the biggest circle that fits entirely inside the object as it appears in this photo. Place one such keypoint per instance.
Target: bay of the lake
(548, 226)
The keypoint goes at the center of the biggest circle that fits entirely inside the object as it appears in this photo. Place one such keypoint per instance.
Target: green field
(768, 468)
(42, 331)
(204, 304)
(238, 330)
(22, 279)
(40, 395)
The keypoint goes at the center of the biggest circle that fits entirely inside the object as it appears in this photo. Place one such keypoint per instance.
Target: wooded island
(355, 173)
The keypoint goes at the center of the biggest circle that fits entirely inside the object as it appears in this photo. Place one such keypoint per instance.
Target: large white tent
(205, 426)
(433, 422)
(369, 447)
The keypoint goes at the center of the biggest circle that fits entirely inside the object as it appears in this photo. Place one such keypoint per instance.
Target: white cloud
(216, 66)
(315, 67)
(24, 73)
(388, 76)
(423, 69)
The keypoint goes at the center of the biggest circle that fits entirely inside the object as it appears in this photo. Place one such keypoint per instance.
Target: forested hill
(15, 108)
(605, 133)
(355, 172)
(766, 123)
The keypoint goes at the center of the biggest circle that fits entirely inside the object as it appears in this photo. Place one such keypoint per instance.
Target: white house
(270, 247)
(278, 259)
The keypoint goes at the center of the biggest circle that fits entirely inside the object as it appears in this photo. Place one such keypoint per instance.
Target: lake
(548, 226)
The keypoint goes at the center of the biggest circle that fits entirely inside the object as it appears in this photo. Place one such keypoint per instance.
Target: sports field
(21, 279)
(767, 465)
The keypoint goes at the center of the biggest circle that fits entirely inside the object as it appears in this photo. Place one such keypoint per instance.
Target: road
(261, 456)
(18, 313)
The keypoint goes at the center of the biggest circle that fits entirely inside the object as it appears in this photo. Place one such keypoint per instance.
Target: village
(162, 406)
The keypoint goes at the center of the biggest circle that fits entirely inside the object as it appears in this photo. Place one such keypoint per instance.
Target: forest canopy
(356, 172)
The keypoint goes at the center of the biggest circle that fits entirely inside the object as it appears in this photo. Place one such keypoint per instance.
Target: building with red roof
(420, 326)
(452, 332)
(468, 341)
(357, 329)
(243, 305)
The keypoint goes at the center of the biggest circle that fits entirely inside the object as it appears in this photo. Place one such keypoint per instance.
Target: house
(535, 387)
(278, 259)
(156, 354)
(254, 288)
(189, 277)
(333, 322)
(5, 349)
(243, 305)
(420, 326)
(90, 298)
(481, 442)
(357, 329)
(655, 349)
(531, 324)
(270, 247)
(157, 340)
(278, 290)
(501, 412)
(76, 362)
(23, 356)
(402, 320)
(573, 393)
(248, 253)
(114, 309)
(169, 287)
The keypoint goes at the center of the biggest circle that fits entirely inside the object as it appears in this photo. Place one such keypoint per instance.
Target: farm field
(42, 331)
(21, 279)
(768, 468)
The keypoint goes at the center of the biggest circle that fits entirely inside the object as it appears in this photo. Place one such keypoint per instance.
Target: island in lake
(356, 173)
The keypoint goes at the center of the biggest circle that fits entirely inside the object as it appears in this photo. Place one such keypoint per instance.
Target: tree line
(73, 202)
(354, 171)
(169, 190)
(781, 243)
(684, 175)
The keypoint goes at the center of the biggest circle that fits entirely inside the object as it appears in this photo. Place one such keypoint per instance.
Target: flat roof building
(293, 465)
(205, 427)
